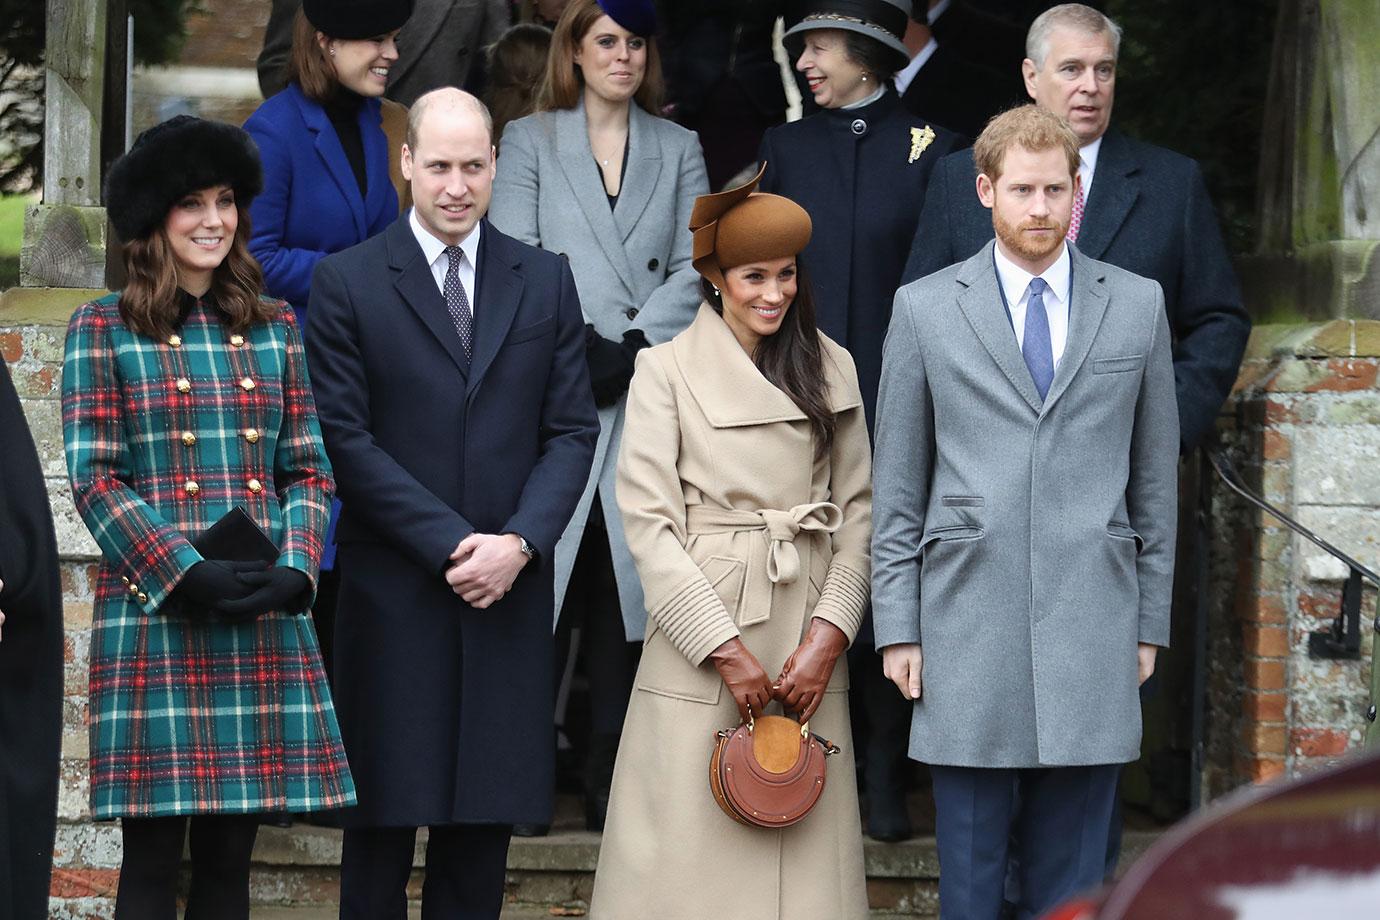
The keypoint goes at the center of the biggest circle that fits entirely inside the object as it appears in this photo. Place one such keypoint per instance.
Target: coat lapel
(640, 178)
(417, 287)
(1087, 306)
(1114, 191)
(581, 173)
(981, 303)
(730, 390)
(375, 160)
(328, 148)
(498, 291)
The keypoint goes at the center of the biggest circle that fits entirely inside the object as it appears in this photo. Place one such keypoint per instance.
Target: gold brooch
(920, 138)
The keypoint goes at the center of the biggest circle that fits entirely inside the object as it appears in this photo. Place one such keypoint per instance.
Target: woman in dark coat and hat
(859, 167)
(30, 669)
(186, 403)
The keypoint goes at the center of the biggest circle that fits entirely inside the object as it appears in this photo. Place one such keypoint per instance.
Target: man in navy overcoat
(1145, 209)
(449, 370)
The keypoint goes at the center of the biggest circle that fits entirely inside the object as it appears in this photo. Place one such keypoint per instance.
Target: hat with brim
(744, 225)
(881, 20)
(637, 16)
(353, 20)
(181, 155)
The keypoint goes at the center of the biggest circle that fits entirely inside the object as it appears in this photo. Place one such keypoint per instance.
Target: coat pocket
(1117, 365)
(530, 331)
(1121, 531)
(951, 533)
(962, 501)
(725, 575)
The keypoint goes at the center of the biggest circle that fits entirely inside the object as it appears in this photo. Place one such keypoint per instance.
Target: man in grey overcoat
(1024, 513)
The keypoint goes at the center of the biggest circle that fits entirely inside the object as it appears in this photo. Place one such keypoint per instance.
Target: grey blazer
(631, 265)
(440, 43)
(1027, 545)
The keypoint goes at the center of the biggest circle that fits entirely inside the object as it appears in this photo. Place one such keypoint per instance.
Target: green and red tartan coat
(162, 439)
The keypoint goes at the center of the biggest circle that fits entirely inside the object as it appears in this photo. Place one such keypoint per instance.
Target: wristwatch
(528, 549)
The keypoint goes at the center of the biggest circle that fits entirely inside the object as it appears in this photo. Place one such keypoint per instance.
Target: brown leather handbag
(768, 772)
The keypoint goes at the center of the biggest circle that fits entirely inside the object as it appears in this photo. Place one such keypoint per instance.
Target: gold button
(175, 341)
(184, 385)
(124, 578)
(247, 384)
(255, 486)
(133, 589)
(191, 487)
(237, 341)
(251, 435)
(188, 438)
(143, 598)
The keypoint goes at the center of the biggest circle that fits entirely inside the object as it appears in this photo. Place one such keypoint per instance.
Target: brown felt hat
(743, 225)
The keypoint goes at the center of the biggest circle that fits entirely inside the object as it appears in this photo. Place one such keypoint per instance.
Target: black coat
(851, 170)
(446, 711)
(30, 669)
(960, 94)
(1148, 213)
(702, 41)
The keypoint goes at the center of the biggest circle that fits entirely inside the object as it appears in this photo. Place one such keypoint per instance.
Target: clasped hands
(484, 566)
(243, 590)
(804, 677)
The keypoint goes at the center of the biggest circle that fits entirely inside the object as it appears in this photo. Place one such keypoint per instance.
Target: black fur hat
(181, 155)
(357, 19)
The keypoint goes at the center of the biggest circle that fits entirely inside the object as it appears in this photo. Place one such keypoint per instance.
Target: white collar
(906, 74)
(876, 94)
(1088, 154)
(1014, 279)
(939, 9)
(434, 248)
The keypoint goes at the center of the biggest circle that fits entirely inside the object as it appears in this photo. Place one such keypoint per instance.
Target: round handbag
(768, 772)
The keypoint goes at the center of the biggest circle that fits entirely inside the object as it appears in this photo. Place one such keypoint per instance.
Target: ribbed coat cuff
(694, 618)
(843, 600)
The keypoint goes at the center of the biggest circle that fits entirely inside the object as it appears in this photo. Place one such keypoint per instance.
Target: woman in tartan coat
(184, 397)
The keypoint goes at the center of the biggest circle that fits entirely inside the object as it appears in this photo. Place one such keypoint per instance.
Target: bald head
(449, 160)
(446, 102)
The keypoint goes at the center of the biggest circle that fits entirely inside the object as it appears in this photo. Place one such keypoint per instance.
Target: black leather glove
(277, 588)
(610, 367)
(211, 582)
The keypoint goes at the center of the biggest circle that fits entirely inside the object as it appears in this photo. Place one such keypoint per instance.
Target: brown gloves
(800, 688)
(742, 673)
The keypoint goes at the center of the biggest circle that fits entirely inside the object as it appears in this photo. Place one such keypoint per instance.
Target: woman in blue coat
(859, 167)
(325, 155)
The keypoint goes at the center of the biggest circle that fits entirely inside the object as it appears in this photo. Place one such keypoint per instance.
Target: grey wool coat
(631, 265)
(1027, 545)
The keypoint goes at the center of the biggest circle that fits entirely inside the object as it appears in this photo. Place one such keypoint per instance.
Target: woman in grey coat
(596, 176)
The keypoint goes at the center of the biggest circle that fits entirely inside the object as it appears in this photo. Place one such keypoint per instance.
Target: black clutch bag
(236, 538)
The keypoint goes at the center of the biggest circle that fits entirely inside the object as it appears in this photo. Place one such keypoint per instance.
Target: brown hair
(563, 83)
(149, 301)
(1027, 126)
(308, 65)
(792, 358)
(517, 63)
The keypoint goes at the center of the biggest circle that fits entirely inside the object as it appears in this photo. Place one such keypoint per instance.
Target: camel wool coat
(737, 529)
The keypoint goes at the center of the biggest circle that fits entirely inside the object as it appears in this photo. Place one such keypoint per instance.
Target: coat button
(191, 488)
(125, 579)
(246, 384)
(251, 435)
(188, 438)
(631, 313)
(859, 127)
(653, 265)
(175, 341)
(143, 598)
(237, 341)
(184, 385)
(133, 589)
(255, 486)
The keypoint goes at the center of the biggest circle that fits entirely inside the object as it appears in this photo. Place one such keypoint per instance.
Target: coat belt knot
(782, 527)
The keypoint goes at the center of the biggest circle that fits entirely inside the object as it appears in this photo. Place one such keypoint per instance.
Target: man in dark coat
(1145, 209)
(449, 370)
(30, 669)
(941, 85)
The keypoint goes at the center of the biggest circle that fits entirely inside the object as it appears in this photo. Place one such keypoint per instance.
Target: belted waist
(782, 527)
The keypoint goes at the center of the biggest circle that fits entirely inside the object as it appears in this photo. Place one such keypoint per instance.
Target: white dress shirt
(1087, 165)
(907, 73)
(435, 252)
(1015, 284)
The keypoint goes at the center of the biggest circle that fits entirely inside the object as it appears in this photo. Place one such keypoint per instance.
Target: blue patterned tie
(458, 305)
(1035, 347)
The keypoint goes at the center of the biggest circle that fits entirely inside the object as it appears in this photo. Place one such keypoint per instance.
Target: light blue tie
(1035, 347)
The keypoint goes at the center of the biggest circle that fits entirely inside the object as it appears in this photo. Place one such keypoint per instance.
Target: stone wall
(1303, 428)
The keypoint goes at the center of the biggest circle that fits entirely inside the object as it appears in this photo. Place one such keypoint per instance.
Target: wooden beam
(75, 54)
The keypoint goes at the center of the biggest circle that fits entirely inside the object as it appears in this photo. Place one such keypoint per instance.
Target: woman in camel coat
(748, 513)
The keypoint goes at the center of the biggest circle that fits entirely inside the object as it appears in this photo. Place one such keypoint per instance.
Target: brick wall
(1305, 433)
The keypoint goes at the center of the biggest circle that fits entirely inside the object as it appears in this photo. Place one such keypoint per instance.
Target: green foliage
(159, 31)
(1192, 77)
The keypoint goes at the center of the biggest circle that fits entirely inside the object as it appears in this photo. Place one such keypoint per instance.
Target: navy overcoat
(446, 710)
(1149, 213)
(861, 174)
